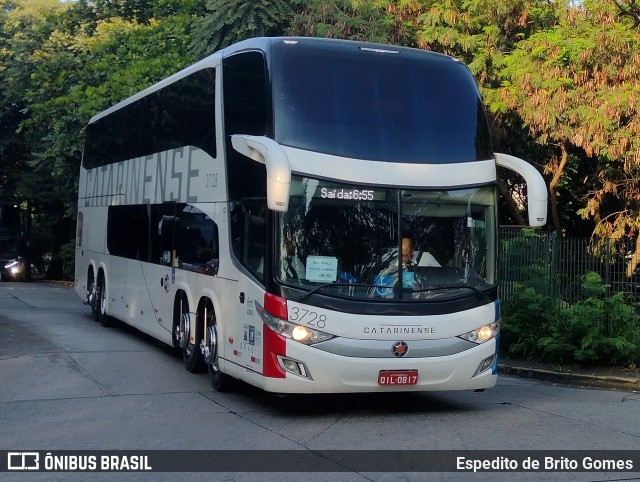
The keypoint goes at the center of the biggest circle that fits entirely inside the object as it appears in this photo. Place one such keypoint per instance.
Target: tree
(23, 28)
(60, 65)
(20, 33)
(382, 21)
(576, 87)
(229, 21)
(630, 8)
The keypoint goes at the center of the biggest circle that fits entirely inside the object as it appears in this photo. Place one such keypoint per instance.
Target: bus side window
(248, 228)
(164, 218)
(128, 231)
(197, 242)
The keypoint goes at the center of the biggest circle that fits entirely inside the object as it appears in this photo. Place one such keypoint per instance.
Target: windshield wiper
(482, 294)
(326, 285)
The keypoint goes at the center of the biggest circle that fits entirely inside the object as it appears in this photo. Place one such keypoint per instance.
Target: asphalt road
(66, 383)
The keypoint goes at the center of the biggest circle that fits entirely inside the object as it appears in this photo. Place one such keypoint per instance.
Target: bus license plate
(398, 377)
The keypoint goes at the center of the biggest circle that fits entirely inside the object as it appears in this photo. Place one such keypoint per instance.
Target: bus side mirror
(536, 187)
(268, 152)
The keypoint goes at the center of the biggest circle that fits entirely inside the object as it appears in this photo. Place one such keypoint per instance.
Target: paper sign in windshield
(322, 268)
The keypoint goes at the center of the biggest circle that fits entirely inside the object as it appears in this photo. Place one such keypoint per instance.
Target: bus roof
(266, 44)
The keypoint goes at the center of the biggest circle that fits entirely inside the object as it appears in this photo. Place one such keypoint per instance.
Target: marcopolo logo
(23, 461)
(400, 348)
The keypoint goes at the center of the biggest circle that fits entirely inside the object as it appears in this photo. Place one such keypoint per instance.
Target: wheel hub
(91, 294)
(182, 330)
(210, 350)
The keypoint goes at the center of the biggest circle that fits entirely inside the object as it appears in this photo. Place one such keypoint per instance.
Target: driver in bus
(410, 260)
(416, 258)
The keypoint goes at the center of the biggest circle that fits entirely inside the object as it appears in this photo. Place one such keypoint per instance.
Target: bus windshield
(349, 240)
(412, 107)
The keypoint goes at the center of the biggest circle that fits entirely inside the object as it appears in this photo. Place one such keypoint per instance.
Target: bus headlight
(293, 331)
(482, 334)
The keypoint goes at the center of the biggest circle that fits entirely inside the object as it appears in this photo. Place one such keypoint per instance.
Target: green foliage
(66, 255)
(60, 64)
(229, 21)
(575, 86)
(599, 329)
(525, 315)
(381, 21)
(530, 307)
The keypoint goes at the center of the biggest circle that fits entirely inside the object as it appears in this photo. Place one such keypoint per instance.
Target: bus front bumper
(330, 373)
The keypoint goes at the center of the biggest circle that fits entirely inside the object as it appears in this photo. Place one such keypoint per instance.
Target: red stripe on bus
(272, 346)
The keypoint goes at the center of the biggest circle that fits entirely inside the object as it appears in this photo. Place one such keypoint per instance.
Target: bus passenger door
(158, 291)
(249, 235)
(159, 286)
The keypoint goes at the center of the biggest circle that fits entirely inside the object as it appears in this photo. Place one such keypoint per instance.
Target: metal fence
(556, 265)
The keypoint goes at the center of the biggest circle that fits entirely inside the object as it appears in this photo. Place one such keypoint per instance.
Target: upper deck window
(405, 106)
(178, 115)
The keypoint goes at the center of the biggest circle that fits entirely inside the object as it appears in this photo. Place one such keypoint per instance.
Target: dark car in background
(11, 265)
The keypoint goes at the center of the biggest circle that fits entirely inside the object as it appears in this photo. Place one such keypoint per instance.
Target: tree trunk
(27, 234)
(553, 198)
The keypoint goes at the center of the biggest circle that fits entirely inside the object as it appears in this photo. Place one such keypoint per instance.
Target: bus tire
(220, 382)
(191, 354)
(92, 299)
(101, 300)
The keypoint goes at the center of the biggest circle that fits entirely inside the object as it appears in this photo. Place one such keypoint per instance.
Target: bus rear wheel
(92, 298)
(219, 381)
(101, 302)
(191, 355)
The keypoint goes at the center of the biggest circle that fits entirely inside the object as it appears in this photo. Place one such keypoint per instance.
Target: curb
(67, 284)
(630, 384)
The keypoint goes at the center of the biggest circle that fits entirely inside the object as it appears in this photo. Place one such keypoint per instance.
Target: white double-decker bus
(252, 211)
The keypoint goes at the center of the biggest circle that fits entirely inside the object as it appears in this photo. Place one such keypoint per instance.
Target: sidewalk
(600, 377)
